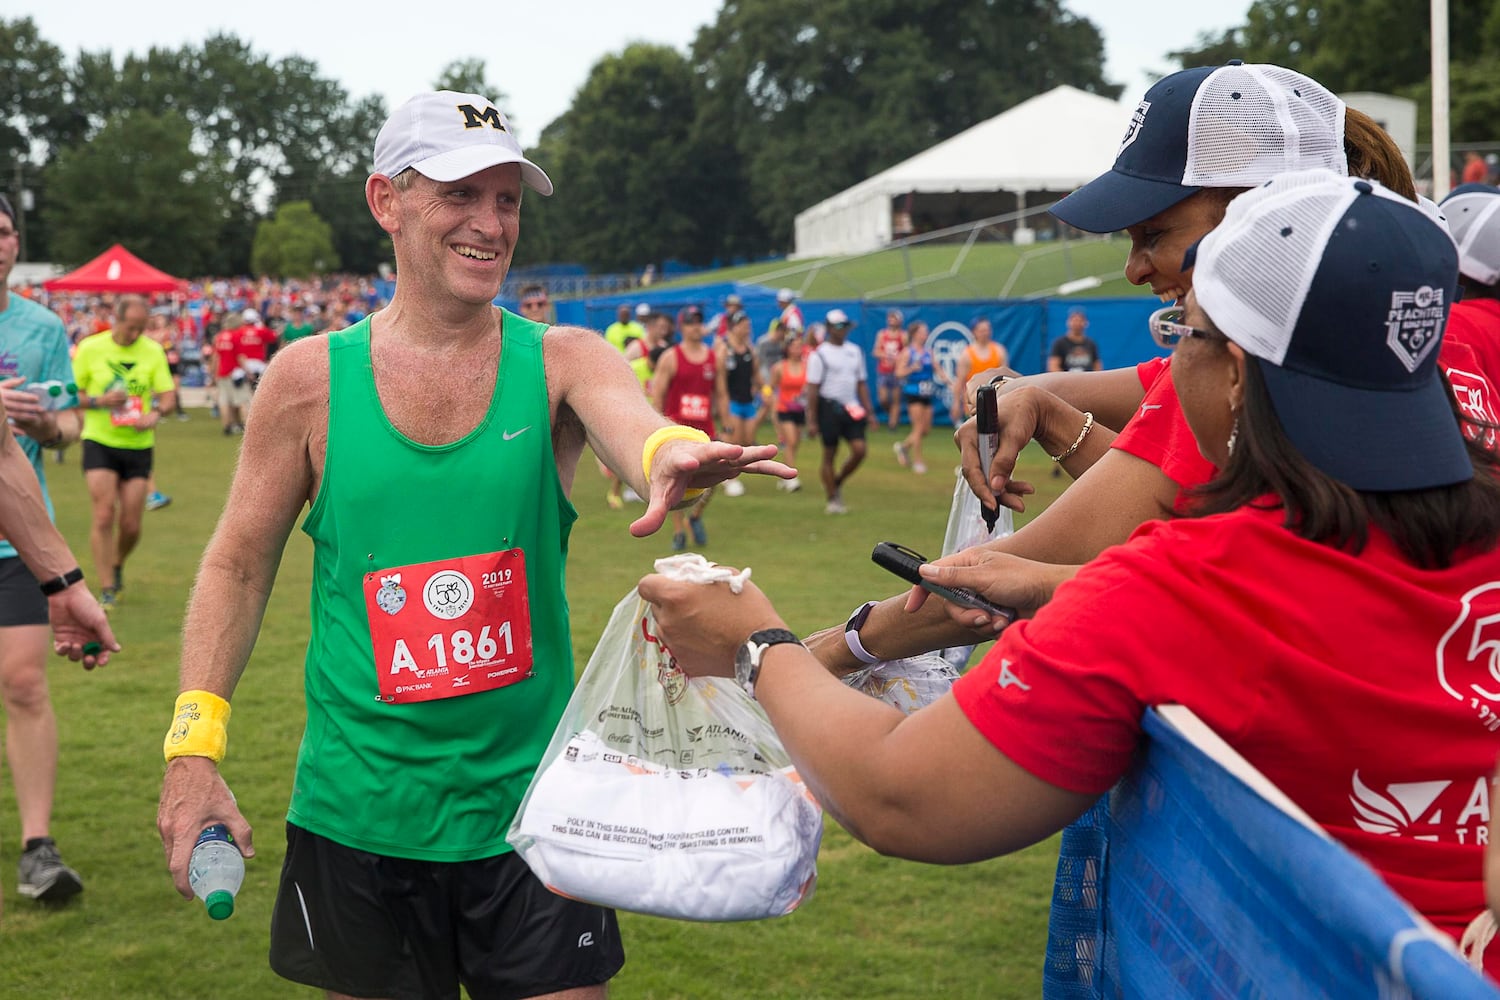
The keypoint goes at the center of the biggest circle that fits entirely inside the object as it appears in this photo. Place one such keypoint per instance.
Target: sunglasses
(1168, 329)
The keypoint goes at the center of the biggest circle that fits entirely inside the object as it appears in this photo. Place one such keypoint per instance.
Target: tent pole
(1442, 162)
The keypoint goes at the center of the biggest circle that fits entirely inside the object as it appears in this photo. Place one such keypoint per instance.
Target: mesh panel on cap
(1254, 270)
(1250, 123)
(1476, 228)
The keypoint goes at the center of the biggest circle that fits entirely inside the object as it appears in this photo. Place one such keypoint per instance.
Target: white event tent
(1051, 143)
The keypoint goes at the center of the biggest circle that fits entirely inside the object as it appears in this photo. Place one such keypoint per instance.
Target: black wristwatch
(851, 633)
(747, 658)
(58, 584)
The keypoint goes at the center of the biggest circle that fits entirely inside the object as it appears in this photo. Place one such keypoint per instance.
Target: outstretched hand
(681, 465)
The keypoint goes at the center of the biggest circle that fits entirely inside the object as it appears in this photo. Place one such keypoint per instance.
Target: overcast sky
(539, 54)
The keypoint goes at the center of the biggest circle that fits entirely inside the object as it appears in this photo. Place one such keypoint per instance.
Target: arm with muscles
(928, 786)
(229, 598)
(589, 382)
(74, 614)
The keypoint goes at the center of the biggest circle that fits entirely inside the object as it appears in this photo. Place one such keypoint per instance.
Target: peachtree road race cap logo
(448, 594)
(1133, 130)
(1413, 324)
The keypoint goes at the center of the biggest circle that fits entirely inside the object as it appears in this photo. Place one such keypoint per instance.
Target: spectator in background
(1475, 169)
(1075, 351)
(789, 392)
(718, 326)
(256, 342)
(838, 406)
(303, 324)
(231, 383)
(741, 375)
(536, 305)
(983, 355)
(624, 329)
(791, 313)
(919, 386)
(889, 343)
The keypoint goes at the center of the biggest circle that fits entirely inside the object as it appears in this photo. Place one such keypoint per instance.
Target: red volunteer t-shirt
(255, 342)
(1360, 685)
(1159, 433)
(226, 352)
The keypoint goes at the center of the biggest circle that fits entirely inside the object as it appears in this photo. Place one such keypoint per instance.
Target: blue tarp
(1185, 883)
(1026, 327)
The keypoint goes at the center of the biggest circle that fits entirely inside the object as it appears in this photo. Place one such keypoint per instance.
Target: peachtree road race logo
(1133, 130)
(448, 594)
(1468, 655)
(1413, 324)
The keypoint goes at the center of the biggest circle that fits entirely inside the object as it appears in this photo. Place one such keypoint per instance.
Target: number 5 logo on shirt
(1468, 655)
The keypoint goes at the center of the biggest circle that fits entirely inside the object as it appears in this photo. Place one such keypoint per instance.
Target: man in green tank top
(436, 443)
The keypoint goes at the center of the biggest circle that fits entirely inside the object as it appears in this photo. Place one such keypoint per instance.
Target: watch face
(743, 663)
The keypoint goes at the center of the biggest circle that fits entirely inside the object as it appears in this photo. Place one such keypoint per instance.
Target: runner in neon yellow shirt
(124, 385)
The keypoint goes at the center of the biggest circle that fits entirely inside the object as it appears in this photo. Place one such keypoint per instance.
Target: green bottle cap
(54, 390)
(220, 904)
(72, 389)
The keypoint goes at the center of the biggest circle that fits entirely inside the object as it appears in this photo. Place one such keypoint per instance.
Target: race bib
(450, 627)
(128, 413)
(693, 407)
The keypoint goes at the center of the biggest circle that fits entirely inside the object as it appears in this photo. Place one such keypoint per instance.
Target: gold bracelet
(659, 437)
(1088, 425)
(200, 727)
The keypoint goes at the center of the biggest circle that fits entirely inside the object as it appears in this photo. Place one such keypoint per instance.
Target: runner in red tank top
(689, 388)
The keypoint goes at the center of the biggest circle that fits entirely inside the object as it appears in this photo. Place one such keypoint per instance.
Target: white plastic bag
(967, 528)
(667, 795)
(908, 684)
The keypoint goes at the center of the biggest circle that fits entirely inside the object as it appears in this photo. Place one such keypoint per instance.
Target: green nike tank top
(432, 780)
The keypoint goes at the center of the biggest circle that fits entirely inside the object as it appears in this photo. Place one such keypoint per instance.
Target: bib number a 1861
(450, 627)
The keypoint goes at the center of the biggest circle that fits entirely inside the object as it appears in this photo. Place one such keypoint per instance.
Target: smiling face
(1158, 244)
(455, 237)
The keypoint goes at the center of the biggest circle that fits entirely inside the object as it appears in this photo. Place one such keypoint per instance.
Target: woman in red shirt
(1318, 607)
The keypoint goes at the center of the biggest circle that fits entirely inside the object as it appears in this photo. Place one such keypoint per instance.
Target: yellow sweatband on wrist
(200, 727)
(659, 437)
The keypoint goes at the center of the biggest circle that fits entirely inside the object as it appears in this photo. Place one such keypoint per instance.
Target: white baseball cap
(250, 316)
(643, 310)
(447, 136)
(1471, 210)
(785, 295)
(837, 317)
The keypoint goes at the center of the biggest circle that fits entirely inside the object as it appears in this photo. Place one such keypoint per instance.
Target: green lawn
(875, 928)
(984, 272)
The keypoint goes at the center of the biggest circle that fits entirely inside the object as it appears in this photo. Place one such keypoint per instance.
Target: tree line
(196, 156)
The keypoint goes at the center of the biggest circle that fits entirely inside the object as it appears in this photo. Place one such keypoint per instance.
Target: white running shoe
(835, 507)
(792, 485)
(734, 488)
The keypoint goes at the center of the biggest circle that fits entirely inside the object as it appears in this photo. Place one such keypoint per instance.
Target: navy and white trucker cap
(1339, 289)
(1231, 126)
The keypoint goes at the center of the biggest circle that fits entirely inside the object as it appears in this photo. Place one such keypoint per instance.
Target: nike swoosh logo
(510, 435)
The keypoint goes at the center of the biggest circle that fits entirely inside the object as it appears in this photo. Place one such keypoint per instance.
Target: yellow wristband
(659, 437)
(200, 727)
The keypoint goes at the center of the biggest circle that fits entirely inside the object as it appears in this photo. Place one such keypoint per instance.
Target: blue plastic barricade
(1195, 877)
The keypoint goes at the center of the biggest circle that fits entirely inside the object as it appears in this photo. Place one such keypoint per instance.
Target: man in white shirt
(838, 405)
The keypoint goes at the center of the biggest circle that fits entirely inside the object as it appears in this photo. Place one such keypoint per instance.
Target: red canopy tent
(115, 270)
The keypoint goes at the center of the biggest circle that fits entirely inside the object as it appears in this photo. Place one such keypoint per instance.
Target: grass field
(983, 274)
(875, 928)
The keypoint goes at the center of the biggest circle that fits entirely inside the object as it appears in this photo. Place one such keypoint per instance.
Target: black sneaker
(43, 876)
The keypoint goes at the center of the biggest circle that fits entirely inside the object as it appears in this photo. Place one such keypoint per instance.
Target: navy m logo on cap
(474, 118)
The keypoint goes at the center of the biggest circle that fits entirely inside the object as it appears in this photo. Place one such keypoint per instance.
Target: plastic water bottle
(54, 395)
(216, 870)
